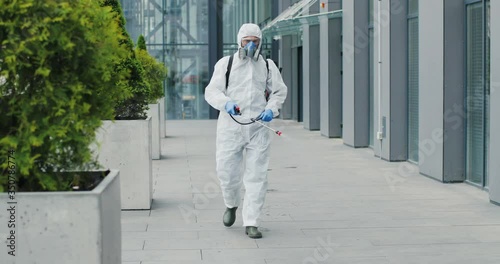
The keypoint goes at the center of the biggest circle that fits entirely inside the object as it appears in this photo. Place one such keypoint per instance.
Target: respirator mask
(250, 50)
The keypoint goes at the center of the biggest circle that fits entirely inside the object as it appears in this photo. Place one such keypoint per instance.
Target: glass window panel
(188, 76)
(475, 95)
(176, 33)
(413, 91)
(186, 56)
(372, 89)
(133, 11)
(412, 7)
(413, 88)
(371, 11)
(487, 122)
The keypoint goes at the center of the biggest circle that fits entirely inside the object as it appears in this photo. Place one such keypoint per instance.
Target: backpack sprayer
(253, 120)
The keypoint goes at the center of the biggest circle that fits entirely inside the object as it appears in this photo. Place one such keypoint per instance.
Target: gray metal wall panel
(286, 64)
(382, 147)
(275, 44)
(398, 124)
(334, 5)
(494, 149)
(330, 78)
(393, 67)
(295, 84)
(285, 4)
(356, 73)
(454, 151)
(314, 69)
(362, 86)
(324, 78)
(314, 9)
(306, 111)
(348, 72)
(335, 73)
(311, 77)
(431, 64)
(377, 144)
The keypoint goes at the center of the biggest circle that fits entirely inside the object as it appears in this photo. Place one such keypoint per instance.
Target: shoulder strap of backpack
(228, 71)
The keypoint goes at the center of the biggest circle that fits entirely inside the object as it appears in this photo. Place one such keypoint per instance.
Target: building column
(214, 41)
(289, 108)
(287, 74)
(494, 147)
(330, 77)
(310, 69)
(356, 76)
(390, 97)
(441, 90)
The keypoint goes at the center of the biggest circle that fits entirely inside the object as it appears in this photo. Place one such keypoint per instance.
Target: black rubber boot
(253, 232)
(229, 216)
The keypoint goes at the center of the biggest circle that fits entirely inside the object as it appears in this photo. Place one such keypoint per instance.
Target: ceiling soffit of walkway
(292, 19)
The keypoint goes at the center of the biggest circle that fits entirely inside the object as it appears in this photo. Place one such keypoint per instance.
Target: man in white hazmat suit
(248, 80)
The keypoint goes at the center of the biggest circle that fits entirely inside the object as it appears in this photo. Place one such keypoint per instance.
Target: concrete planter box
(154, 113)
(126, 145)
(65, 227)
(163, 128)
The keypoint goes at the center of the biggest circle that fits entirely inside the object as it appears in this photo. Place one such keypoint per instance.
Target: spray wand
(254, 120)
(277, 132)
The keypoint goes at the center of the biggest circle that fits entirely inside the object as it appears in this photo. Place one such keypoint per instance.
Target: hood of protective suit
(247, 30)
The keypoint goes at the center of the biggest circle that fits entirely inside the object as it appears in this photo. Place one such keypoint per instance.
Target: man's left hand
(267, 115)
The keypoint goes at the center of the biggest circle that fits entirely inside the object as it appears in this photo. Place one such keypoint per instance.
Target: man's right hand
(231, 108)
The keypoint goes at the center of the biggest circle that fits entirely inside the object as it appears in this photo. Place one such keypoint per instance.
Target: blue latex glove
(266, 116)
(231, 108)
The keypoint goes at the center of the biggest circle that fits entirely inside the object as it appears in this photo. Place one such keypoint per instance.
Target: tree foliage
(141, 43)
(155, 72)
(136, 106)
(58, 80)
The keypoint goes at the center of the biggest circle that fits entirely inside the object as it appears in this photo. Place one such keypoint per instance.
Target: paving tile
(140, 226)
(242, 242)
(444, 259)
(161, 234)
(219, 261)
(333, 259)
(132, 243)
(327, 203)
(131, 214)
(161, 255)
(238, 255)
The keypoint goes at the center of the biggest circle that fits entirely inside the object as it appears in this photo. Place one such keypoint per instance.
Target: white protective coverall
(247, 83)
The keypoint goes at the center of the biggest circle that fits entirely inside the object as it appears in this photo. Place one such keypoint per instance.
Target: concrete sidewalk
(327, 203)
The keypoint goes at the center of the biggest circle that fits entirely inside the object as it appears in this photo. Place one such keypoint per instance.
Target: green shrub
(136, 106)
(141, 43)
(155, 72)
(58, 81)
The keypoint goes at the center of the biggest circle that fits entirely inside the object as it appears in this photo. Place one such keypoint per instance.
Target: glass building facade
(180, 33)
(176, 33)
